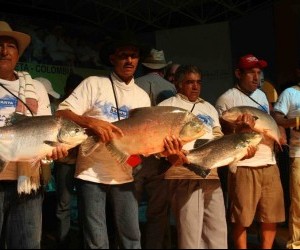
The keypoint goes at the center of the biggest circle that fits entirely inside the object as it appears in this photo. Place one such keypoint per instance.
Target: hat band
(155, 61)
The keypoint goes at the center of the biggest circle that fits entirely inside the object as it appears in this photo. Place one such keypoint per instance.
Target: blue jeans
(65, 183)
(20, 217)
(92, 203)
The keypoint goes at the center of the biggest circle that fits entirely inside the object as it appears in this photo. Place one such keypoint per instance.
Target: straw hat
(22, 39)
(155, 60)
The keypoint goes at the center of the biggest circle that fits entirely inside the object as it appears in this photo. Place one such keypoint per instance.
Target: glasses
(193, 82)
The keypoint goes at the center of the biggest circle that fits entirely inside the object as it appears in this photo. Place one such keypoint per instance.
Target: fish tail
(198, 170)
(121, 157)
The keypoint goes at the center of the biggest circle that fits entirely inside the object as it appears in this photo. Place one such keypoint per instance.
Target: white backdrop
(207, 46)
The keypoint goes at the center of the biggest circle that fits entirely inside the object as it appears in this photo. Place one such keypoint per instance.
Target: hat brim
(259, 64)
(22, 39)
(156, 65)
(54, 94)
(109, 48)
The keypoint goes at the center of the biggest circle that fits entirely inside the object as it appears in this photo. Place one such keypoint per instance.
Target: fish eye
(77, 130)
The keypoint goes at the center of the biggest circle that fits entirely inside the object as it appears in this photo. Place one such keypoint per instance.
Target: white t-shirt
(94, 97)
(234, 97)
(209, 116)
(8, 105)
(289, 104)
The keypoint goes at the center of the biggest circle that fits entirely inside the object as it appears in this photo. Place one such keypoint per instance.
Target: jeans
(20, 217)
(65, 183)
(92, 204)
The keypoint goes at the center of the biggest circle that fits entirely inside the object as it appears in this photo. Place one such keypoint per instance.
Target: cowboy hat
(48, 86)
(22, 39)
(126, 38)
(155, 60)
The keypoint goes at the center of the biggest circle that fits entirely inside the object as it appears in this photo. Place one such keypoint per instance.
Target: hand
(178, 159)
(173, 146)
(245, 122)
(250, 152)
(105, 130)
(58, 152)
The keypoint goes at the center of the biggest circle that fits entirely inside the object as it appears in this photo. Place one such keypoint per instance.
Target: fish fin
(89, 145)
(121, 157)
(52, 143)
(200, 142)
(233, 167)
(16, 117)
(3, 164)
(198, 170)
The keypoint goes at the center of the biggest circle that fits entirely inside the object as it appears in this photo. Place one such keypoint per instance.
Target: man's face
(125, 61)
(9, 54)
(249, 79)
(191, 86)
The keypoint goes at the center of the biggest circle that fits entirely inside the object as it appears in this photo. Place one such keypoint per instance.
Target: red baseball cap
(250, 61)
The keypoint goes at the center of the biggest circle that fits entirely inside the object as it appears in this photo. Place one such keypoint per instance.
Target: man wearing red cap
(255, 189)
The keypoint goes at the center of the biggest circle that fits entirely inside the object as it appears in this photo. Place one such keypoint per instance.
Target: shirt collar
(185, 98)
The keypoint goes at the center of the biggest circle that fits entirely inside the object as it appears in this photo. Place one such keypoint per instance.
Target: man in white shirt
(287, 115)
(21, 197)
(197, 203)
(255, 189)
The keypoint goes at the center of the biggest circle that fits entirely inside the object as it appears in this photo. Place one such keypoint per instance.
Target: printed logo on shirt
(206, 119)
(111, 112)
(8, 102)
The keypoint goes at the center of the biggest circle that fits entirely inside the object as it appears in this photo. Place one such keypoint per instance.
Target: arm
(105, 130)
(284, 122)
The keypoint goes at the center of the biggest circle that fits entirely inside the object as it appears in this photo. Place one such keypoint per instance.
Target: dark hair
(182, 71)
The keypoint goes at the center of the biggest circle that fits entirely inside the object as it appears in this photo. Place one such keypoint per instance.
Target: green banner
(57, 74)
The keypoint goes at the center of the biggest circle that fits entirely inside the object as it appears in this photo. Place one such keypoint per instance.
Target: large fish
(32, 138)
(146, 128)
(227, 150)
(264, 123)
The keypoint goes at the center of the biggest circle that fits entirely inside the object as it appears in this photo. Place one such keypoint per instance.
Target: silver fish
(146, 128)
(32, 138)
(227, 150)
(264, 123)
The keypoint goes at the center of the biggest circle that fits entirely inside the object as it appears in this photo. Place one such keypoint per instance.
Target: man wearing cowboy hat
(21, 194)
(150, 177)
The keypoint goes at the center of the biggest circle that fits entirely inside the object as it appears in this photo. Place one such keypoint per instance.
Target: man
(64, 180)
(153, 81)
(255, 189)
(287, 115)
(149, 181)
(170, 72)
(197, 203)
(21, 195)
(94, 104)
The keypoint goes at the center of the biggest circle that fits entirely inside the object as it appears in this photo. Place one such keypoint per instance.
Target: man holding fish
(255, 189)
(97, 103)
(197, 202)
(21, 190)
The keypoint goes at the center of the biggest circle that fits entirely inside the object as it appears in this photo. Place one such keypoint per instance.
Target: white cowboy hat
(48, 86)
(155, 60)
(22, 39)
